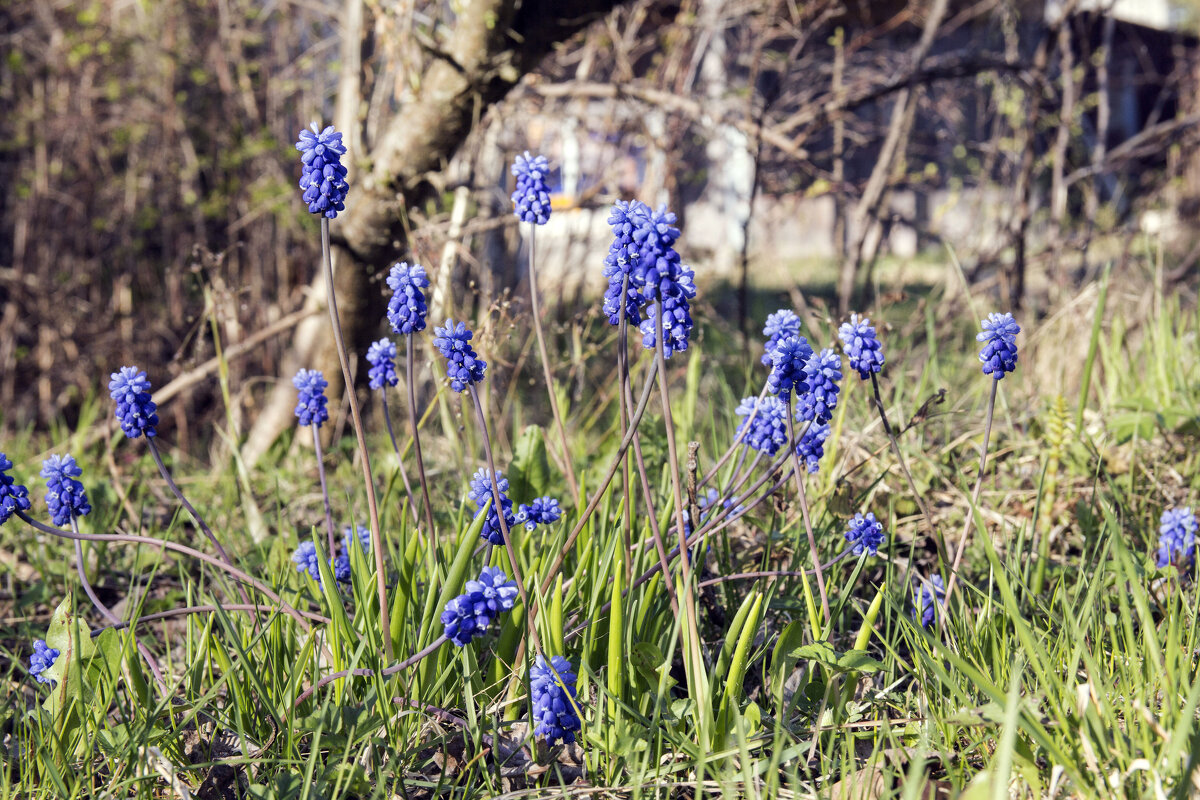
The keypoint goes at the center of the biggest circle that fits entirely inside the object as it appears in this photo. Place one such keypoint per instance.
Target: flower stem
(569, 470)
(938, 541)
(175, 490)
(372, 507)
(316, 432)
(499, 511)
(106, 612)
(416, 435)
(812, 539)
(363, 671)
(387, 420)
(962, 545)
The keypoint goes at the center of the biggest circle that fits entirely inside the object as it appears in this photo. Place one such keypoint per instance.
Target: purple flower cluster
(999, 352)
(928, 597)
(821, 374)
(470, 614)
(861, 345)
(1177, 538)
(322, 177)
(130, 388)
(812, 445)
(65, 496)
(553, 696)
(381, 355)
(865, 534)
(643, 250)
(407, 309)
(305, 559)
(768, 429)
(542, 511)
(531, 200)
(463, 366)
(788, 360)
(43, 658)
(311, 401)
(782, 324)
(480, 493)
(13, 496)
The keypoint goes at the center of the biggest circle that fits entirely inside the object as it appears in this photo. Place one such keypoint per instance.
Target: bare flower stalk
(535, 308)
(498, 508)
(324, 488)
(812, 539)
(967, 523)
(372, 506)
(416, 435)
(387, 419)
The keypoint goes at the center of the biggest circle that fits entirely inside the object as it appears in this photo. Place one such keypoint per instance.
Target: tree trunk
(493, 44)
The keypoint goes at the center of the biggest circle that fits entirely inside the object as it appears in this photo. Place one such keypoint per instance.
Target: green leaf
(824, 654)
(529, 472)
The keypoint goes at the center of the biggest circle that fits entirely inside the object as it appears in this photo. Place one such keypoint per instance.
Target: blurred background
(831, 156)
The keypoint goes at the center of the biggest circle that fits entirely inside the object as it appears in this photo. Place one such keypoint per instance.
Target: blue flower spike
(65, 496)
(13, 496)
(381, 355)
(322, 176)
(407, 309)
(821, 374)
(471, 613)
(865, 534)
(553, 697)
(305, 559)
(42, 659)
(782, 324)
(862, 346)
(130, 388)
(542, 511)
(311, 403)
(1177, 538)
(788, 360)
(999, 352)
(768, 430)
(628, 221)
(928, 597)
(480, 493)
(464, 367)
(812, 445)
(664, 280)
(531, 200)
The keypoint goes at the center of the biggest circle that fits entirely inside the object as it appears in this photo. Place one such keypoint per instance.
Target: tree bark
(493, 44)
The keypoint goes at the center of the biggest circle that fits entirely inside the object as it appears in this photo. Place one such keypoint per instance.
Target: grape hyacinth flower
(999, 352)
(480, 493)
(821, 374)
(780, 325)
(463, 366)
(553, 697)
(787, 370)
(470, 614)
(768, 429)
(358, 533)
(531, 200)
(341, 568)
(305, 559)
(407, 309)
(927, 597)
(812, 446)
(861, 345)
(130, 388)
(65, 496)
(629, 221)
(1177, 538)
(542, 511)
(381, 355)
(666, 279)
(311, 403)
(865, 534)
(13, 496)
(322, 177)
(43, 658)
(710, 499)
